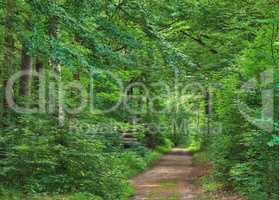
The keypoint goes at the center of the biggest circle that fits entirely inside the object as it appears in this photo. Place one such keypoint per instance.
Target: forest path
(171, 178)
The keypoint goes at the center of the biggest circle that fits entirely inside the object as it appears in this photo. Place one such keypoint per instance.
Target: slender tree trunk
(39, 67)
(207, 100)
(8, 50)
(26, 68)
(40, 86)
(53, 32)
(77, 75)
(198, 119)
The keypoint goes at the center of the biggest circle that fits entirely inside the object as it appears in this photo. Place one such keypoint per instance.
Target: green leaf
(274, 141)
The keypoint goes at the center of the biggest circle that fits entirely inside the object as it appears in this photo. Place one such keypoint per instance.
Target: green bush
(83, 196)
(43, 159)
(14, 195)
(210, 184)
(200, 158)
(52, 160)
(134, 163)
(165, 147)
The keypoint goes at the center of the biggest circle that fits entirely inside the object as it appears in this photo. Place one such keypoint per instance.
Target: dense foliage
(102, 87)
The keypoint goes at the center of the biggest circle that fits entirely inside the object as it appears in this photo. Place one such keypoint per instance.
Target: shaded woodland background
(219, 45)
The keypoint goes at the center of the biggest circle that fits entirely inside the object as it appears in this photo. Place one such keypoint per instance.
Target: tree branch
(200, 42)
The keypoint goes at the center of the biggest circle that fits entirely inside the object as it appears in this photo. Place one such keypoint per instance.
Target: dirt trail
(171, 178)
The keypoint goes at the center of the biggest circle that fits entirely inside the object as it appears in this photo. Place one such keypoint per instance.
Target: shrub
(52, 160)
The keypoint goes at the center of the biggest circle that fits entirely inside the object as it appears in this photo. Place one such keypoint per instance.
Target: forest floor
(173, 177)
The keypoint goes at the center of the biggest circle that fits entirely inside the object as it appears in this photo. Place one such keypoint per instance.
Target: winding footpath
(171, 178)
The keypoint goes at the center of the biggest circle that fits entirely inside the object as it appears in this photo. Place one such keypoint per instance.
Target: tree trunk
(39, 67)
(53, 32)
(207, 99)
(40, 86)
(26, 68)
(8, 50)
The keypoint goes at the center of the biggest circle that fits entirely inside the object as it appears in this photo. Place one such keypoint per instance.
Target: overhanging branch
(200, 42)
